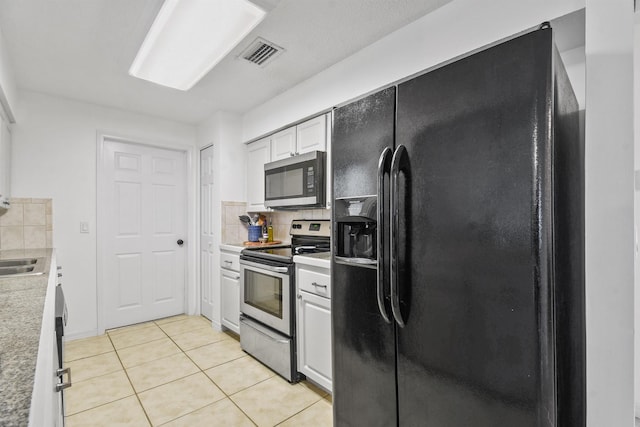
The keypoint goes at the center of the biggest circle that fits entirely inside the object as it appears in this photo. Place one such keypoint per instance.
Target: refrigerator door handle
(398, 157)
(384, 168)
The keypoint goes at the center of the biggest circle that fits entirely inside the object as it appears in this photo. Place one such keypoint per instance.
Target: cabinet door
(314, 338)
(258, 153)
(230, 287)
(312, 135)
(283, 144)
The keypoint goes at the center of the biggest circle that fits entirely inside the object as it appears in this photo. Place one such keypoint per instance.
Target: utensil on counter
(245, 219)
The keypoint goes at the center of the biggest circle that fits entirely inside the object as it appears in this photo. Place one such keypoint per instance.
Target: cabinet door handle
(234, 277)
(228, 262)
(60, 373)
(318, 285)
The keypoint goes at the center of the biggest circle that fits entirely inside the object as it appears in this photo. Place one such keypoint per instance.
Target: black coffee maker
(356, 230)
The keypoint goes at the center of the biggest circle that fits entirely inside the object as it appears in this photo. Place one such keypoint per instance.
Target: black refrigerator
(458, 246)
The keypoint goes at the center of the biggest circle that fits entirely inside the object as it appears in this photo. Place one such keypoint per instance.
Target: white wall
(609, 212)
(636, 107)
(574, 63)
(465, 25)
(224, 131)
(54, 155)
(455, 29)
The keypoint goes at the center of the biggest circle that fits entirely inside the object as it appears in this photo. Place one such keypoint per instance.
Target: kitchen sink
(21, 267)
(17, 262)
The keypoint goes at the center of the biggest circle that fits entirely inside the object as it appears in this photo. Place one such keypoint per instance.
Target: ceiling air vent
(261, 52)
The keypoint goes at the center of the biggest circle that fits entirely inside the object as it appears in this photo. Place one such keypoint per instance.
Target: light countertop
(231, 247)
(322, 260)
(237, 247)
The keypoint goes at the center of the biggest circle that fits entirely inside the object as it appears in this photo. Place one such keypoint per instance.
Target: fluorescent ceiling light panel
(189, 37)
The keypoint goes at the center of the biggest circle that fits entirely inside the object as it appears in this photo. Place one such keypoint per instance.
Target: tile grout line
(115, 350)
(199, 370)
(206, 376)
(228, 396)
(135, 392)
(213, 382)
(108, 373)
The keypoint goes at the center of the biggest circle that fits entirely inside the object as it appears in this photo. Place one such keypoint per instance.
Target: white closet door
(144, 249)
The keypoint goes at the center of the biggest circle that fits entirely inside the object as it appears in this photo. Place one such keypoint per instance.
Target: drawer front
(270, 347)
(315, 281)
(230, 261)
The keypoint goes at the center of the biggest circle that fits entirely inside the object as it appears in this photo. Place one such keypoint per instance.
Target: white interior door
(143, 215)
(206, 232)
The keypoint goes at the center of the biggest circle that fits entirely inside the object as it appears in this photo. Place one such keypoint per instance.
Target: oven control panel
(311, 227)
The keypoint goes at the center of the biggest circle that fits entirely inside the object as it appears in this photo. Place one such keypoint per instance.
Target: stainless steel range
(267, 289)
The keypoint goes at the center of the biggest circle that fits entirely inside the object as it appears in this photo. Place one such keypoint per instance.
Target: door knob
(180, 242)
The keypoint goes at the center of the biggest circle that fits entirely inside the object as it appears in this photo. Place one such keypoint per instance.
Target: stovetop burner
(307, 236)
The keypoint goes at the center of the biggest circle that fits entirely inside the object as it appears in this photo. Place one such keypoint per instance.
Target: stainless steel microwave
(296, 182)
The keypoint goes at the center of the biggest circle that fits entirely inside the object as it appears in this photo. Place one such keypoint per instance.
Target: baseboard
(80, 335)
(216, 325)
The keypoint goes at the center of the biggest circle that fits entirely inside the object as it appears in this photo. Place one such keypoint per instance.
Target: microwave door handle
(398, 157)
(384, 164)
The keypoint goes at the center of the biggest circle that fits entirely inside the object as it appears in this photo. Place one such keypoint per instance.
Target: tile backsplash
(28, 224)
(233, 231)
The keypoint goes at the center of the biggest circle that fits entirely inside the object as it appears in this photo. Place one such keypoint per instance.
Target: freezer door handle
(384, 168)
(396, 162)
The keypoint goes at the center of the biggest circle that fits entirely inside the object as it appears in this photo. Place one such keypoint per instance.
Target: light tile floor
(179, 371)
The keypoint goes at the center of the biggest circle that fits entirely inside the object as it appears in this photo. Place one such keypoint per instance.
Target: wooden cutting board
(275, 242)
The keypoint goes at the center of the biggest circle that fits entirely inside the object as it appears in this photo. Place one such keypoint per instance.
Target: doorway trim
(215, 322)
(191, 293)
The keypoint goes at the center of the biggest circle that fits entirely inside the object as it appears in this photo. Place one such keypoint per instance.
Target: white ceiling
(82, 49)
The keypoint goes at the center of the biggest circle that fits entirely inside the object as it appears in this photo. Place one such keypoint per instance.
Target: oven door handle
(300, 249)
(284, 270)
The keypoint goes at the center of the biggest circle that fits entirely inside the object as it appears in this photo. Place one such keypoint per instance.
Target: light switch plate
(84, 227)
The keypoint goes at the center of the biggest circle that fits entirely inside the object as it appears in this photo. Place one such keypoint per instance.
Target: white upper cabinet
(312, 135)
(258, 153)
(307, 136)
(283, 144)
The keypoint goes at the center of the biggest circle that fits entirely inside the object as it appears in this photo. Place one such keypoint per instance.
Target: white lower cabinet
(314, 324)
(46, 399)
(230, 291)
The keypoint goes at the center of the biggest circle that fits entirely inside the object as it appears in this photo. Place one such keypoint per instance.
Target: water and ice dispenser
(356, 230)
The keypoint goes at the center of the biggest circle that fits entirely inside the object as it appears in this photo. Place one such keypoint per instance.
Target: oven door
(265, 294)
